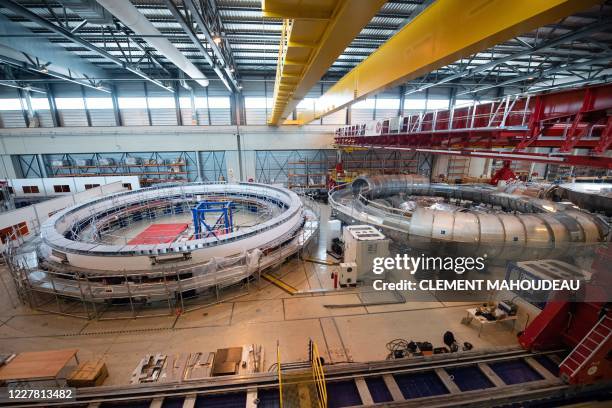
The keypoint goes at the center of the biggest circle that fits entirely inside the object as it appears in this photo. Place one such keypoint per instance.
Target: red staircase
(589, 360)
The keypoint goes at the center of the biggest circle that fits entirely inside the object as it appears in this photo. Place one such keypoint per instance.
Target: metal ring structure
(516, 228)
(94, 271)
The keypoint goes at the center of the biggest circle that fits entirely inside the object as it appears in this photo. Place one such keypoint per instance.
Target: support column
(177, 107)
(349, 113)
(30, 116)
(87, 113)
(402, 100)
(199, 169)
(146, 92)
(41, 166)
(55, 118)
(117, 113)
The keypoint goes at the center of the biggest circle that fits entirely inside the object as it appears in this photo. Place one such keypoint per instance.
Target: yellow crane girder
(443, 33)
(314, 34)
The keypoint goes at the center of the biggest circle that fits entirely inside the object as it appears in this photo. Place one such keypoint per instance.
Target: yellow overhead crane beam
(443, 33)
(314, 33)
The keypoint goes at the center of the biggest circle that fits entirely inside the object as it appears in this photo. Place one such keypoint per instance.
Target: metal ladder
(595, 339)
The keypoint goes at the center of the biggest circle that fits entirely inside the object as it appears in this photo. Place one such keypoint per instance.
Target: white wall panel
(163, 117)
(134, 117)
(12, 119)
(102, 117)
(336, 118)
(73, 117)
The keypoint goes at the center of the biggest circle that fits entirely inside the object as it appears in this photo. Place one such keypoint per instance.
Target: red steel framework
(504, 129)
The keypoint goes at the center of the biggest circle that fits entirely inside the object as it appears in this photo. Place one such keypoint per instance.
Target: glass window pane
(161, 102)
(364, 104)
(200, 102)
(416, 104)
(10, 104)
(185, 102)
(257, 102)
(437, 104)
(219, 102)
(40, 104)
(387, 103)
(306, 103)
(132, 103)
(69, 103)
(99, 103)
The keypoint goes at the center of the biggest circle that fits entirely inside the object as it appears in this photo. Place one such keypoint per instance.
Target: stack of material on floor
(227, 361)
(149, 369)
(88, 374)
(187, 366)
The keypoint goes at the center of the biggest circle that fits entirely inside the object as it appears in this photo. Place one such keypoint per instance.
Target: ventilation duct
(89, 10)
(132, 18)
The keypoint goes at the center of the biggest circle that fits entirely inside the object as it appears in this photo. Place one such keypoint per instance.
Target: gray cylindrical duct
(132, 18)
(376, 186)
(532, 229)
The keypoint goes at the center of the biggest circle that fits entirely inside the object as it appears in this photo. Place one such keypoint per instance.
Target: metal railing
(170, 285)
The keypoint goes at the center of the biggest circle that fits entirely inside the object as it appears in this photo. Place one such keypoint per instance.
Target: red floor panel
(158, 234)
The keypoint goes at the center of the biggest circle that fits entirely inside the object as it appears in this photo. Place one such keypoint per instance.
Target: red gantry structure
(504, 129)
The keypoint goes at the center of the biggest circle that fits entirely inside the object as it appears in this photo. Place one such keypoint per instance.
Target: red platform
(159, 234)
(567, 120)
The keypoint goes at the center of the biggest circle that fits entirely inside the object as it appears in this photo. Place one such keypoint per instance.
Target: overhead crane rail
(575, 119)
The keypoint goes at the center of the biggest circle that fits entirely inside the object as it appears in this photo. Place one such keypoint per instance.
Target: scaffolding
(55, 287)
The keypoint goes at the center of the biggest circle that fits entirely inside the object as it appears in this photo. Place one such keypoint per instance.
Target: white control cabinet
(363, 243)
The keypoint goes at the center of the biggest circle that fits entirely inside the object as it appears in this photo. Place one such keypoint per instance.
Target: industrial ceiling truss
(236, 41)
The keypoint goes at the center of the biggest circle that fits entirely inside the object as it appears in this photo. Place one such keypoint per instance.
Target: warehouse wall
(165, 139)
(201, 120)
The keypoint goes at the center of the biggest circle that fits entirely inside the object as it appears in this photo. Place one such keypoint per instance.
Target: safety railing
(318, 374)
(509, 111)
(168, 284)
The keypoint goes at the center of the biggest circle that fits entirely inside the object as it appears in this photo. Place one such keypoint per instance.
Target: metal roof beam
(25, 13)
(573, 35)
(196, 41)
(224, 58)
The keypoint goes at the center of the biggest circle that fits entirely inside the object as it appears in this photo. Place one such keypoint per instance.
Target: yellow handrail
(280, 381)
(319, 376)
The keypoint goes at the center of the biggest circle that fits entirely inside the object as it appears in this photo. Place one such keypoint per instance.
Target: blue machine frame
(224, 208)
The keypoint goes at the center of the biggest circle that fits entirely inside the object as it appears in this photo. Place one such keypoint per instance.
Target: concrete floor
(262, 316)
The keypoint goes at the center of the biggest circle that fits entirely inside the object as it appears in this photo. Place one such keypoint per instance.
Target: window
(222, 102)
(161, 102)
(200, 103)
(437, 104)
(364, 104)
(30, 190)
(127, 185)
(307, 103)
(63, 188)
(69, 103)
(185, 102)
(10, 104)
(257, 103)
(387, 103)
(463, 102)
(90, 186)
(40, 103)
(99, 103)
(132, 103)
(414, 104)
